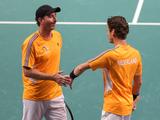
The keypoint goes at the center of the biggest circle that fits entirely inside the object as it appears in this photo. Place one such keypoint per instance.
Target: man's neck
(47, 34)
(119, 42)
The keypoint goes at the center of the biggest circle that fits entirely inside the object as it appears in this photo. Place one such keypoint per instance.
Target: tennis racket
(69, 112)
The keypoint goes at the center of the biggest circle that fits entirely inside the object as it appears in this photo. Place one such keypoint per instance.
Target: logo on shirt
(127, 61)
(45, 48)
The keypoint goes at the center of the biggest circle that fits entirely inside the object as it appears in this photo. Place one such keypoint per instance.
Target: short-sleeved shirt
(119, 65)
(44, 56)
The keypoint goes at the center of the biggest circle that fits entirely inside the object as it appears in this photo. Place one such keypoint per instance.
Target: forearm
(37, 75)
(136, 88)
(137, 85)
(79, 70)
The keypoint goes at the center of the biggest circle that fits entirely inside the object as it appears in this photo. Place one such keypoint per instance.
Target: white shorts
(111, 116)
(52, 109)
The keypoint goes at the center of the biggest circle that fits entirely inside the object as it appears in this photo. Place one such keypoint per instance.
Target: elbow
(26, 72)
(26, 75)
(138, 80)
(140, 83)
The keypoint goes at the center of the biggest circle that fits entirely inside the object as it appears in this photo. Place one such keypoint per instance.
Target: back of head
(119, 25)
(45, 10)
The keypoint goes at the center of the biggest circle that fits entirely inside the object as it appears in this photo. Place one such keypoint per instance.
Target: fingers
(63, 80)
(60, 72)
(135, 102)
(70, 86)
(67, 76)
(68, 80)
(134, 107)
(137, 99)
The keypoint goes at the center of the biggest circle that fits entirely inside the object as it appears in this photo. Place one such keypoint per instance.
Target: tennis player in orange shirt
(42, 78)
(122, 72)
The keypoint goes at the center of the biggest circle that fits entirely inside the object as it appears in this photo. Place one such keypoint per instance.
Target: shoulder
(30, 39)
(136, 53)
(105, 54)
(135, 50)
(109, 52)
(55, 32)
(57, 35)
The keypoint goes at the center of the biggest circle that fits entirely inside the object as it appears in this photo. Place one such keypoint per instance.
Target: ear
(113, 33)
(39, 20)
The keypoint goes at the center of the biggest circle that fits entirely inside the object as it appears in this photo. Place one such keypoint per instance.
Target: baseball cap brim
(57, 9)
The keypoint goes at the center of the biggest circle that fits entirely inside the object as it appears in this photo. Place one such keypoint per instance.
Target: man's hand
(61, 79)
(135, 102)
(71, 83)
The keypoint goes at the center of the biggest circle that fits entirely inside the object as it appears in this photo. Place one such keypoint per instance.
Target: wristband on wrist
(135, 96)
(72, 75)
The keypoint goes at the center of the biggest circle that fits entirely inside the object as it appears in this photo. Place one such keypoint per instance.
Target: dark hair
(120, 25)
(45, 10)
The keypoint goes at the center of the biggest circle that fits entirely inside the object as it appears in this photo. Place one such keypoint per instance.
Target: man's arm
(79, 70)
(136, 89)
(37, 75)
(137, 84)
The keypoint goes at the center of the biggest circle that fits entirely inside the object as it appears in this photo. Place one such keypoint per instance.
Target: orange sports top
(43, 55)
(119, 67)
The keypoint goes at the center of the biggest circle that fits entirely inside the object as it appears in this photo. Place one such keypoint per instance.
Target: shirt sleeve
(101, 61)
(28, 55)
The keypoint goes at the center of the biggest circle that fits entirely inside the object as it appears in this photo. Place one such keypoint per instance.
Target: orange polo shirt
(43, 55)
(119, 67)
